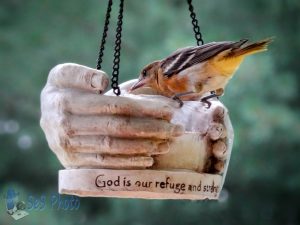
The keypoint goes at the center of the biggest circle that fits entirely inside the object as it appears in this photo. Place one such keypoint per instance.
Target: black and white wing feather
(190, 56)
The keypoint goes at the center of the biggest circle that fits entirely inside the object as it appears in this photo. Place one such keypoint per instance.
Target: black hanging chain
(196, 27)
(104, 35)
(117, 54)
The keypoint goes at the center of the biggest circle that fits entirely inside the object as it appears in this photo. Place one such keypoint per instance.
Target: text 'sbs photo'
(19, 205)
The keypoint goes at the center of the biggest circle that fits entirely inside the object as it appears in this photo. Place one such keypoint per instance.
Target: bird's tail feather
(253, 48)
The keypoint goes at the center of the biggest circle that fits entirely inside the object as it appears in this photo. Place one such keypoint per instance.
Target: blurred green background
(263, 180)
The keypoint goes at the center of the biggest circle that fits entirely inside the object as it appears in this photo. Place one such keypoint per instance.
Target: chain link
(117, 54)
(196, 27)
(104, 35)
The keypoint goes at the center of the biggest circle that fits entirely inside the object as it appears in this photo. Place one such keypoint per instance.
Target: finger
(71, 75)
(218, 114)
(113, 162)
(125, 89)
(117, 146)
(120, 126)
(219, 150)
(216, 131)
(219, 167)
(87, 103)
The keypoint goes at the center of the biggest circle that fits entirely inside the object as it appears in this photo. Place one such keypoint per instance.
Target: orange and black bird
(190, 72)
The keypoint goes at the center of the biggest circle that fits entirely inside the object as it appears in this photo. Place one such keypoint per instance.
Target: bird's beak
(138, 84)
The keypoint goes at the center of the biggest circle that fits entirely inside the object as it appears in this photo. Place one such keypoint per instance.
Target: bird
(190, 72)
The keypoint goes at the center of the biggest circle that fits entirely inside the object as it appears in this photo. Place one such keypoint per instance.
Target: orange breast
(172, 85)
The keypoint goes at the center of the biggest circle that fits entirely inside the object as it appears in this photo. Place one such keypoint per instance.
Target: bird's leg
(176, 97)
(217, 93)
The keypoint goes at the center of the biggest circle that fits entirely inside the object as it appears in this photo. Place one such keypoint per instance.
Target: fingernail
(177, 130)
(162, 148)
(99, 81)
(216, 130)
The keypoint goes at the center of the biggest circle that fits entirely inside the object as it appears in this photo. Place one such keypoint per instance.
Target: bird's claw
(206, 102)
(177, 99)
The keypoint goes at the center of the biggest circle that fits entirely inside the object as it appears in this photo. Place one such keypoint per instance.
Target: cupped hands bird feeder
(192, 166)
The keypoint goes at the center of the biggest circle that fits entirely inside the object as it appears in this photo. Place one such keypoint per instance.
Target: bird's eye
(144, 73)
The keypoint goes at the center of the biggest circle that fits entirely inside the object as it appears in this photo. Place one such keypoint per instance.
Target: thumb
(71, 75)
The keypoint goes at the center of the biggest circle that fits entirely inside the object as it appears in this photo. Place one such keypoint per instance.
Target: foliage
(263, 180)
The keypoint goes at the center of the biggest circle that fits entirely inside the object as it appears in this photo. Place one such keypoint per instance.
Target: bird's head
(148, 76)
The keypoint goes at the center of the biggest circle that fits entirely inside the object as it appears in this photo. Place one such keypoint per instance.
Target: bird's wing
(187, 57)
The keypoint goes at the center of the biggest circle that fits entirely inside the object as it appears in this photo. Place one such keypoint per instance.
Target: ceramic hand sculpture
(138, 130)
(85, 129)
